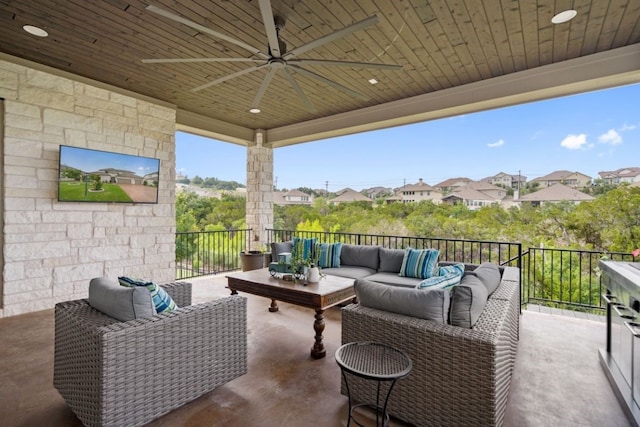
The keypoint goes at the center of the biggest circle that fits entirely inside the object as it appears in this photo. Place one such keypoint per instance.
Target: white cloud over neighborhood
(610, 137)
(575, 142)
(498, 143)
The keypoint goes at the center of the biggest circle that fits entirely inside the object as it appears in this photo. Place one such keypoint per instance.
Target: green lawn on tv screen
(75, 192)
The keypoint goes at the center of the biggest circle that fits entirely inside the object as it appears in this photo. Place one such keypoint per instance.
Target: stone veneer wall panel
(52, 249)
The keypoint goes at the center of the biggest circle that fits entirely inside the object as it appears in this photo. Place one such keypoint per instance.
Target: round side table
(373, 361)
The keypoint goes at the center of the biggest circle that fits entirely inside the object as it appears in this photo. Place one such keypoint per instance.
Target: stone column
(259, 215)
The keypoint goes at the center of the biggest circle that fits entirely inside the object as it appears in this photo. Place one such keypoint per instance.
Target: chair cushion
(489, 275)
(468, 299)
(329, 255)
(390, 260)
(432, 304)
(108, 297)
(360, 255)
(161, 299)
(419, 263)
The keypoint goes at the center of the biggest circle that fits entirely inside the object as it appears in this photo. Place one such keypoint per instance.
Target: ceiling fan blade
(263, 87)
(228, 77)
(270, 28)
(307, 103)
(205, 30)
(330, 83)
(345, 64)
(181, 60)
(333, 36)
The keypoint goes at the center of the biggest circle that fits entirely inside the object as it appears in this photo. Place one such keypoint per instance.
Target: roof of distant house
(452, 181)
(556, 193)
(349, 195)
(419, 186)
(558, 175)
(296, 193)
(483, 186)
(622, 172)
(467, 193)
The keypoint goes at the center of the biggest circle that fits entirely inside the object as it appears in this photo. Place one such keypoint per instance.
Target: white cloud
(611, 137)
(575, 142)
(625, 127)
(498, 143)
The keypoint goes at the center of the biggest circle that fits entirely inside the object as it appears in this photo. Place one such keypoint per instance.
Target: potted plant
(256, 258)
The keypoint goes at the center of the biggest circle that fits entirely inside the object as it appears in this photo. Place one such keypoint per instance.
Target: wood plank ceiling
(440, 44)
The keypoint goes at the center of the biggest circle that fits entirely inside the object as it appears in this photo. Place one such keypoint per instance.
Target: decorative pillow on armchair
(329, 255)
(161, 299)
(106, 296)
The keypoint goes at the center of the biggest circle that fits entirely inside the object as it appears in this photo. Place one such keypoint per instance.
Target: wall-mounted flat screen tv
(86, 175)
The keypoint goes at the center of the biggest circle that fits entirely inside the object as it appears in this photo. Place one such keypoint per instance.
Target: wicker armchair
(114, 373)
(460, 377)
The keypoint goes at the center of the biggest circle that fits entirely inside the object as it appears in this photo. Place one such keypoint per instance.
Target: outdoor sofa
(462, 339)
(127, 373)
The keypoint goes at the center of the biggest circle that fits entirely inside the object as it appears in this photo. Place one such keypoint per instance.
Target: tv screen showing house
(88, 175)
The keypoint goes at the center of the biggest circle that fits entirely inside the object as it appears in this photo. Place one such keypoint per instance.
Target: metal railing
(203, 253)
(563, 278)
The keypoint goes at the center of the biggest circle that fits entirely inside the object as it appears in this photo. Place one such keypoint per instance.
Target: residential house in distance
(475, 195)
(451, 184)
(619, 176)
(412, 193)
(568, 178)
(505, 180)
(348, 195)
(553, 194)
(292, 197)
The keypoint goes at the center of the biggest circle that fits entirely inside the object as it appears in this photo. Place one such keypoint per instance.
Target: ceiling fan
(277, 57)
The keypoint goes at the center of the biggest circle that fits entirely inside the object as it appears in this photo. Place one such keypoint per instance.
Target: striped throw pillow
(329, 255)
(419, 263)
(161, 299)
(447, 277)
(303, 248)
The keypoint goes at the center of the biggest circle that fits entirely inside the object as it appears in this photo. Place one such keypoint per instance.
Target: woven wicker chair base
(114, 373)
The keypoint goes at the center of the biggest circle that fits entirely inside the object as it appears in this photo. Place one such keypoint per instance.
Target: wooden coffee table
(330, 291)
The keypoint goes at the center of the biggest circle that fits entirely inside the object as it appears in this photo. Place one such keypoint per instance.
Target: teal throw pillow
(161, 299)
(447, 277)
(303, 248)
(419, 263)
(329, 255)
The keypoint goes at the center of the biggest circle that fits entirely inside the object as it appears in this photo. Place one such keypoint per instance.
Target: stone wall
(259, 214)
(52, 249)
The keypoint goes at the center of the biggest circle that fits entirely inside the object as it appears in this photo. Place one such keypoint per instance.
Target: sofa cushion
(329, 255)
(108, 297)
(161, 299)
(489, 275)
(433, 304)
(419, 263)
(390, 260)
(360, 255)
(447, 277)
(394, 280)
(468, 299)
(280, 247)
(349, 271)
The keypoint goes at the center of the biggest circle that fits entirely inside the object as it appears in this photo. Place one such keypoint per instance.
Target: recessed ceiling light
(564, 16)
(254, 110)
(373, 81)
(35, 31)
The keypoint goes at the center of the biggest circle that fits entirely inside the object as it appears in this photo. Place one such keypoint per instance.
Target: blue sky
(587, 133)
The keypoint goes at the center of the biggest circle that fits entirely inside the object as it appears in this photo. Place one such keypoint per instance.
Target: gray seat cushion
(390, 260)
(350, 271)
(394, 279)
(489, 275)
(468, 299)
(360, 255)
(431, 304)
(120, 302)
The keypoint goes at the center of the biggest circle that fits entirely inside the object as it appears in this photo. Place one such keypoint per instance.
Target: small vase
(313, 275)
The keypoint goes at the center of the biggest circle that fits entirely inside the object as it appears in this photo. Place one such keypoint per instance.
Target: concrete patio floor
(557, 380)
